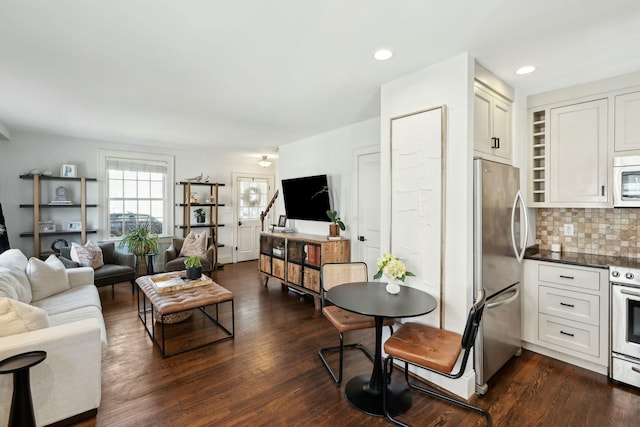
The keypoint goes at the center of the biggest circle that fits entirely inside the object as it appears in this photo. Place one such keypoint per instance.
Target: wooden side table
(21, 404)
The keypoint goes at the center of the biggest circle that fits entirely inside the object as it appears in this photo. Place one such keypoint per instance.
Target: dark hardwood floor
(270, 374)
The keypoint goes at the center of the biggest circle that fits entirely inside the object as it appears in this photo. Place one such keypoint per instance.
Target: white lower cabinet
(566, 313)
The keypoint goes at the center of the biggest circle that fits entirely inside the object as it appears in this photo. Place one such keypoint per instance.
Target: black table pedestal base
(360, 395)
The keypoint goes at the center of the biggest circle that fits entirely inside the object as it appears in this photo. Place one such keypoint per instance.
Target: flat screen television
(307, 198)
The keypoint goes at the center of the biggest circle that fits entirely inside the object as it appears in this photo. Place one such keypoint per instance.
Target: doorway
(251, 196)
(366, 235)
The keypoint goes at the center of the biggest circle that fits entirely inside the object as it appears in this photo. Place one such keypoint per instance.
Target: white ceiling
(250, 75)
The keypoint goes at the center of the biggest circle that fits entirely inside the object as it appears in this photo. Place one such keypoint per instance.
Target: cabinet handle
(567, 305)
(495, 142)
(566, 333)
(566, 277)
(602, 190)
(634, 369)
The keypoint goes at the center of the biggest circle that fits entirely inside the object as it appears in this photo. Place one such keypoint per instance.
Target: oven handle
(634, 294)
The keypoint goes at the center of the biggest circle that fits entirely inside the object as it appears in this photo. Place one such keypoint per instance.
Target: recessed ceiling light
(383, 54)
(526, 69)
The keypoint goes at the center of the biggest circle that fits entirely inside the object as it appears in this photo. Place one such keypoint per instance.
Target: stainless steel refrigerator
(500, 237)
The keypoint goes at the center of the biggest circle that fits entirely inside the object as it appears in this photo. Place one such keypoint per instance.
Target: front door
(252, 195)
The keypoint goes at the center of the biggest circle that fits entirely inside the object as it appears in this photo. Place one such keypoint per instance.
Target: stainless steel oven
(625, 325)
(626, 182)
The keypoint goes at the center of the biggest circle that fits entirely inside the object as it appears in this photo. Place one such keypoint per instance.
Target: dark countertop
(585, 260)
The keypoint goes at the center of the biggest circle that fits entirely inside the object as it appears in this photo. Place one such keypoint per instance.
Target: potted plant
(200, 215)
(336, 223)
(194, 267)
(139, 241)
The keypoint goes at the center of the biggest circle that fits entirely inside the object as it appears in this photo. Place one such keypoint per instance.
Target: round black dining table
(371, 298)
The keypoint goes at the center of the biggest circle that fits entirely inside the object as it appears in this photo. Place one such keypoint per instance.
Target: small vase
(393, 286)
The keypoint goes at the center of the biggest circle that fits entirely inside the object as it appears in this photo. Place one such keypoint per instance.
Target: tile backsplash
(610, 232)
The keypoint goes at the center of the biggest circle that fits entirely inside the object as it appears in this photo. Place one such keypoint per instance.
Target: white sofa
(39, 311)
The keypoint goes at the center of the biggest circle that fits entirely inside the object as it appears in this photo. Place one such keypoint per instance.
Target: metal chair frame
(468, 340)
(342, 346)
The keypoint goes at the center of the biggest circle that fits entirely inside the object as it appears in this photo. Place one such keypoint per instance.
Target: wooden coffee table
(154, 306)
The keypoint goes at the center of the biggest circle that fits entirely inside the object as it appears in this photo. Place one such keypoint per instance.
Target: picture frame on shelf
(68, 170)
(46, 227)
(74, 226)
(282, 221)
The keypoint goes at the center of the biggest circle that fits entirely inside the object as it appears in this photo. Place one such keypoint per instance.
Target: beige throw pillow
(195, 244)
(47, 277)
(17, 317)
(89, 255)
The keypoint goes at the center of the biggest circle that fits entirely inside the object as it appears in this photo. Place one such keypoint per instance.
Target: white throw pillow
(89, 255)
(195, 244)
(17, 317)
(47, 277)
(15, 261)
(9, 285)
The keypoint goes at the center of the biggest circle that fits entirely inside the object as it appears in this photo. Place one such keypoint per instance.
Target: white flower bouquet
(392, 267)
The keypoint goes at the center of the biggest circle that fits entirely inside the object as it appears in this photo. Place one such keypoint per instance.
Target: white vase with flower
(394, 270)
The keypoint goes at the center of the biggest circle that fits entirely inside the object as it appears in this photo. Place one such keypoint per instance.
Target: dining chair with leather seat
(334, 274)
(436, 350)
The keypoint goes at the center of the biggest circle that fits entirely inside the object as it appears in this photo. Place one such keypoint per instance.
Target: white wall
(28, 150)
(447, 83)
(329, 153)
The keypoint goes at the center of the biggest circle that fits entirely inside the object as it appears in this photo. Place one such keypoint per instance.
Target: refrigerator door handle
(519, 253)
(515, 292)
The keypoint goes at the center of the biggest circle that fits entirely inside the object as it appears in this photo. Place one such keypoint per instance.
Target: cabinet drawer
(568, 276)
(294, 273)
(575, 336)
(278, 268)
(265, 264)
(312, 279)
(569, 305)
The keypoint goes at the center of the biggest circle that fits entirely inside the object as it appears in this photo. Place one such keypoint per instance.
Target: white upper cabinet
(574, 134)
(492, 117)
(492, 125)
(627, 122)
(578, 165)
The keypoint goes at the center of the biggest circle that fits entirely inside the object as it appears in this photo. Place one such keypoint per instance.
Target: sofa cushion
(89, 255)
(72, 299)
(16, 262)
(194, 244)
(17, 317)
(113, 273)
(80, 314)
(47, 277)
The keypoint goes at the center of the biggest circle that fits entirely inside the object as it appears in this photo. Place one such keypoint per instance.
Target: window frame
(168, 211)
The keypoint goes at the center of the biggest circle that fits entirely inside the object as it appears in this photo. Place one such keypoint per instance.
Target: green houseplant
(140, 240)
(193, 266)
(200, 215)
(336, 223)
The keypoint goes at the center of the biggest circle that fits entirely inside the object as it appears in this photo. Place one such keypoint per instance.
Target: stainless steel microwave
(626, 182)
